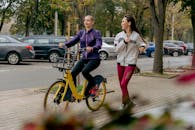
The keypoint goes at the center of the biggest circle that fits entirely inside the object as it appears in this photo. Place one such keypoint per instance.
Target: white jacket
(127, 53)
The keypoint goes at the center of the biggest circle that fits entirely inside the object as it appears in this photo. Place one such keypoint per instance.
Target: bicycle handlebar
(67, 62)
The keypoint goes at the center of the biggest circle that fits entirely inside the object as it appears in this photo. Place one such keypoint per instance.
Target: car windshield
(170, 44)
(108, 40)
(14, 39)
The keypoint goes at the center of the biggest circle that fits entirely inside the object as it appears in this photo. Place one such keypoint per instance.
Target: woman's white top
(127, 52)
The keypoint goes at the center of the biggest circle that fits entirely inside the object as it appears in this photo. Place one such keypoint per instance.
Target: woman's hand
(89, 49)
(127, 40)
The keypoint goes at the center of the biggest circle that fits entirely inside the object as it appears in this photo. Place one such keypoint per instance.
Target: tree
(190, 5)
(24, 14)
(158, 9)
(64, 9)
(106, 17)
(33, 17)
(138, 9)
(7, 8)
(177, 22)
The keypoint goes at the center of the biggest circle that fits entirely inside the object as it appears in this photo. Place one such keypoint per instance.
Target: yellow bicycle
(56, 96)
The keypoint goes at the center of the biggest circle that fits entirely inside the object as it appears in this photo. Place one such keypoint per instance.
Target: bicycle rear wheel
(96, 101)
(53, 101)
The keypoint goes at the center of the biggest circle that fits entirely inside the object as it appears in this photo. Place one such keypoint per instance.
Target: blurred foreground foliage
(120, 120)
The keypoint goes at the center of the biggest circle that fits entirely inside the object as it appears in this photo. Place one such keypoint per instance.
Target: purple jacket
(91, 38)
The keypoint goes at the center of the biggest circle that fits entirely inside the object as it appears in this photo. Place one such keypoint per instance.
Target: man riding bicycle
(91, 40)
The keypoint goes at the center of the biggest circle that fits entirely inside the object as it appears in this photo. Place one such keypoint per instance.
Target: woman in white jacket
(127, 45)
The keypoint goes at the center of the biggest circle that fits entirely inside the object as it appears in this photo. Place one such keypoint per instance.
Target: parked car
(190, 48)
(150, 49)
(107, 51)
(14, 51)
(46, 46)
(179, 43)
(168, 49)
(172, 49)
(108, 40)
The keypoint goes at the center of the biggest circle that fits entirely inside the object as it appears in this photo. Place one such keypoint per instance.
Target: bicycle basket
(63, 63)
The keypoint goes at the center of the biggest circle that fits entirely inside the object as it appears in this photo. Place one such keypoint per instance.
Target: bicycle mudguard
(98, 79)
(60, 80)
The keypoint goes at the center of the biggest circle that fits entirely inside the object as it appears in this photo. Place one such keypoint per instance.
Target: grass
(164, 75)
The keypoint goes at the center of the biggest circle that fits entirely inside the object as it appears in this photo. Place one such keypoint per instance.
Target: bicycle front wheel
(96, 101)
(53, 101)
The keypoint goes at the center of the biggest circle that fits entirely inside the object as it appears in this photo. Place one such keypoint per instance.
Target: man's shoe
(94, 91)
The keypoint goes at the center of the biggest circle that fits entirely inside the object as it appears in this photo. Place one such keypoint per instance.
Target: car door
(54, 42)
(41, 47)
(3, 47)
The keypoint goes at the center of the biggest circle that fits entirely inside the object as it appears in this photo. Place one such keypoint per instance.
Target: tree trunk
(63, 23)
(4, 13)
(1, 24)
(27, 25)
(151, 33)
(3, 18)
(158, 17)
(158, 58)
(193, 26)
(167, 33)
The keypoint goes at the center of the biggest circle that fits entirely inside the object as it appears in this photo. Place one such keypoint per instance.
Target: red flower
(186, 78)
(189, 77)
(29, 126)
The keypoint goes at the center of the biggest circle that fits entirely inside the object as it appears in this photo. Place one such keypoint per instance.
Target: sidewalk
(18, 106)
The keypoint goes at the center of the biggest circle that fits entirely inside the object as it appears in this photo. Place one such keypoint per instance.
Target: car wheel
(175, 54)
(152, 54)
(103, 55)
(13, 58)
(53, 56)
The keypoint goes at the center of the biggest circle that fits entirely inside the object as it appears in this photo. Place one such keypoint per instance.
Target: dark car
(172, 49)
(190, 48)
(46, 46)
(168, 49)
(13, 50)
(178, 43)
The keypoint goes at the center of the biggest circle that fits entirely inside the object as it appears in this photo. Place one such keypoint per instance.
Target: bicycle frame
(70, 83)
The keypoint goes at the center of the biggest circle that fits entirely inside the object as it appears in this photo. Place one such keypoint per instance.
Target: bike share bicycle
(55, 98)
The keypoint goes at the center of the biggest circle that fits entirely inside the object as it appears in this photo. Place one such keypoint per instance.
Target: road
(41, 74)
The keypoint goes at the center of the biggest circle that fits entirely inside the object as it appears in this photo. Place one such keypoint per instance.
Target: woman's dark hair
(133, 25)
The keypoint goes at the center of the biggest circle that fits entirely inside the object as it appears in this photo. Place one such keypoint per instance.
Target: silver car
(14, 51)
(107, 51)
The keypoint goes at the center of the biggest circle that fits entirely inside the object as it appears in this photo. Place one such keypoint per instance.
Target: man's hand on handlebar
(89, 49)
(61, 45)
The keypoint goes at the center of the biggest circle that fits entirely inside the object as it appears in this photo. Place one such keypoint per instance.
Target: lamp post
(172, 24)
(56, 24)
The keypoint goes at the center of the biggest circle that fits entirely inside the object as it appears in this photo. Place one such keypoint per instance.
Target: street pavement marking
(4, 70)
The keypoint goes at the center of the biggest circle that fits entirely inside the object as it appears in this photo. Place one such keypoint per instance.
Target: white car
(107, 51)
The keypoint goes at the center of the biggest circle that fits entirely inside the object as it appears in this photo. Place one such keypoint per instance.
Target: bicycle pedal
(72, 99)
